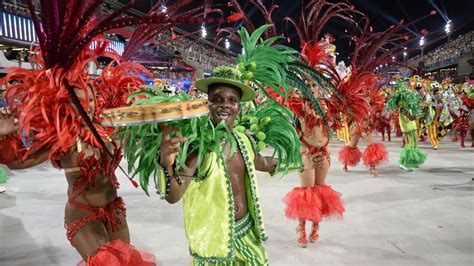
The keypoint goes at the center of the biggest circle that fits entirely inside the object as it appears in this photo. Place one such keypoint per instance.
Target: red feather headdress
(46, 100)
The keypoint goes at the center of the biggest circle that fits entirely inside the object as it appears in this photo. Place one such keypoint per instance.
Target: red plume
(424, 32)
(235, 17)
(433, 12)
(315, 53)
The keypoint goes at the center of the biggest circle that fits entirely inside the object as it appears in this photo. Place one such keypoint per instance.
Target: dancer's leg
(389, 132)
(432, 135)
(90, 237)
(306, 183)
(322, 164)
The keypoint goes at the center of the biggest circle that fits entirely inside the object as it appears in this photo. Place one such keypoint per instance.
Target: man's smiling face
(224, 104)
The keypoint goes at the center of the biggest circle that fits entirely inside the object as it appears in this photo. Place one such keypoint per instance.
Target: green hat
(227, 75)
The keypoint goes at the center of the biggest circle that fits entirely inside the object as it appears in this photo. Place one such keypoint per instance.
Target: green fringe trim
(412, 157)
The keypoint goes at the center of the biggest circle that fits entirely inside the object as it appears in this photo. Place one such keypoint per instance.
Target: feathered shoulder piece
(142, 142)
(272, 124)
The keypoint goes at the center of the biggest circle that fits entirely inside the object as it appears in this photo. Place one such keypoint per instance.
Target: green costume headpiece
(227, 75)
(404, 99)
(261, 64)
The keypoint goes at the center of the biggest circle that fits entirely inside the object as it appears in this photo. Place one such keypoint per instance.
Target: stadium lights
(203, 31)
(422, 41)
(404, 48)
(447, 28)
(404, 54)
(227, 44)
(393, 57)
(163, 8)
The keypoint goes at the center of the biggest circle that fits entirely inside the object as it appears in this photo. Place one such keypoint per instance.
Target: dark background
(382, 14)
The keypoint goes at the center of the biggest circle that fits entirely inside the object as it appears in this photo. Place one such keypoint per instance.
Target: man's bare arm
(177, 190)
(265, 163)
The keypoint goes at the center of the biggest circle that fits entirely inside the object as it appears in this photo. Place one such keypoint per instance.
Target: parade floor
(425, 217)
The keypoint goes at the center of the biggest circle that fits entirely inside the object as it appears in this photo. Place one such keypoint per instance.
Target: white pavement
(425, 217)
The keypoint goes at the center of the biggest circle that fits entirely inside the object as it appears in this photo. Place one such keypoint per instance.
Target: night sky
(382, 14)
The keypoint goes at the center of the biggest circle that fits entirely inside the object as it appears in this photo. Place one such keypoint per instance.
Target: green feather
(142, 142)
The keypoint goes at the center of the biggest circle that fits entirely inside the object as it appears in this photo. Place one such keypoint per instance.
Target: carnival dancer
(59, 105)
(429, 113)
(240, 214)
(465, 120)
(383, 124)
(375, 153)
(313, 200)
(217, 178)
(407, 105)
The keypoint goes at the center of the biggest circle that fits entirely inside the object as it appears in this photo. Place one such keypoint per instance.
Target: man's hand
(169, 147)
(8, 122)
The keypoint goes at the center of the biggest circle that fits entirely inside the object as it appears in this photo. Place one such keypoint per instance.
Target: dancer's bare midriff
(317, 137)
(100, 193)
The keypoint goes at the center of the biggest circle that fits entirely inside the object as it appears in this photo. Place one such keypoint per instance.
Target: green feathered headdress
(404, 99)
(261, 64)
(279, 67)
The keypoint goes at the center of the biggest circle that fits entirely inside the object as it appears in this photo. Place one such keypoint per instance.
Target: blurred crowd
(447, 53)
(206, 56)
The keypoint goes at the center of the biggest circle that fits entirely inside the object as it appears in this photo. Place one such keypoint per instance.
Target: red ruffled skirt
(332, 206)
(350, 156)
(303, 203)
(119, 253)
(375, 154)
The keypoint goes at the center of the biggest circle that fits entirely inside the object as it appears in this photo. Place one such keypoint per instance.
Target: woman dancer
(313, 200)
(375, 152)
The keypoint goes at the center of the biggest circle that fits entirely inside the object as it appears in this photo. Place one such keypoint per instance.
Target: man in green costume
(407, 104)
(223, 218)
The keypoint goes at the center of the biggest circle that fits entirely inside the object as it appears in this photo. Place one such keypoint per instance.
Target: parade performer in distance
(375, 152)
(407, 104)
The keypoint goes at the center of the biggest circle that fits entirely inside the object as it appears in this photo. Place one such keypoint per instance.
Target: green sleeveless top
(209, 206)
(406, 125)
